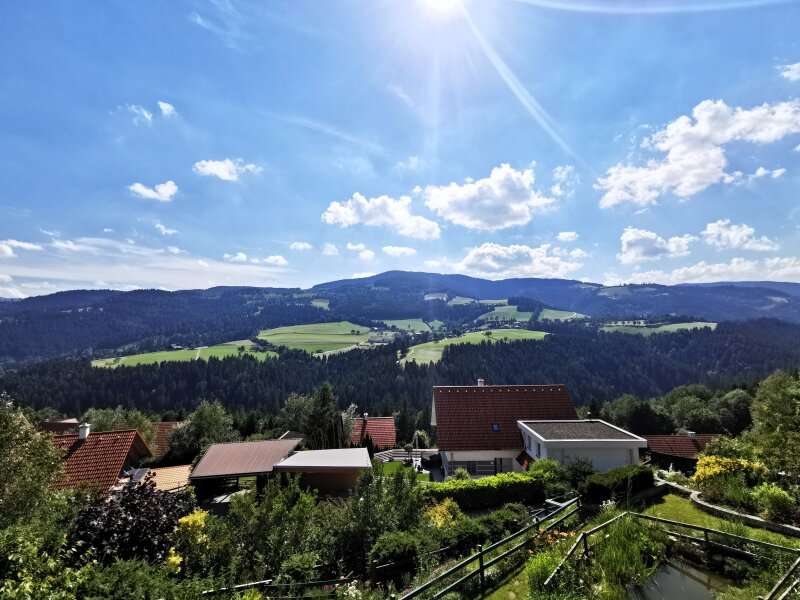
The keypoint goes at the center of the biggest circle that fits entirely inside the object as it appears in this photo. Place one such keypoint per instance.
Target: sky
(188, 144)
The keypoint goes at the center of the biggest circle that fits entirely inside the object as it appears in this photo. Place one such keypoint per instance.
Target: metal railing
(484, 556)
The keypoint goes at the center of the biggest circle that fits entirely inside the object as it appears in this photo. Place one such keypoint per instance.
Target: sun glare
(441, 9)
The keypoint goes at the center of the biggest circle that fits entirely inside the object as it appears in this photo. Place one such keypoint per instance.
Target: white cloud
(50, 232)
(567, 236)
(503, 199)
(141, 116)
(174, 250)
(723, 234)
(565, 181)
(330, 250)
(495, 261)
(6, 251)
(399, 250)
(777, 173)
(694, 151)
(300, 246)
(21, 245)
(226, 169)
(790, 72)
(163, 192)
(383, 211)
(640, 245)
(797, 148)
(163, 230)
(239, 257)
(399, 93)
(737, 269)
(366, 255)
(108, 230)
(167, 109)
(5, 278)
(70, 246)
(276, 261)
(355, 247)
(413, 164)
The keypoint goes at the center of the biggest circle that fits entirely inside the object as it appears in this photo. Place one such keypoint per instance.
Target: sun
(441, 9)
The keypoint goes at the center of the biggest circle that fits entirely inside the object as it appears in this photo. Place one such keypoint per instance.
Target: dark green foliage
(137, 580)
(136, 523)
(465, 534)
(489, 492)
(394, 554)
(209, 424)
(504, 521)
(620, 483)
(299, 568)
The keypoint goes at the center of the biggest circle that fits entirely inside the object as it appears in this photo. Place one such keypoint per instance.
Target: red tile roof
(162, 431)
(237, 459)
(680, 445)
(485, 417)
(97, 461)
(380, 429)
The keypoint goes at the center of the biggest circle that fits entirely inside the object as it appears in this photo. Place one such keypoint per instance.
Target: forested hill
(595, 366)
(101, 323)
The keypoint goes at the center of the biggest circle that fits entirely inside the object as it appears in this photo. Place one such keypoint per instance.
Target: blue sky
(190, 144)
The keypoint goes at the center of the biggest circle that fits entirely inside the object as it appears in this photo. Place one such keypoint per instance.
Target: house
(162, 432)
(224, 465)
(329, 471)
(97, 460)
(476, 425)
(604, 445)
(381, 430)
(60, 427)
(677, 451)
(171, 479)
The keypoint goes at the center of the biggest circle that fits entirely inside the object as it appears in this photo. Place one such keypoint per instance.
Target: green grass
(412, 325)
(322, 303)
(394, 466)
(436, 324)
(677, 508)
(318, 337)
(457, 300)
(431, 352)
(150, 358)
(436, 296)
(666, 328)
(502, 302)
(551, 314)
(506, 313)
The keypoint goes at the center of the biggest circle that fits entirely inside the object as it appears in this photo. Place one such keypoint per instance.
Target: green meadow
(150, 358)
(318, 337)
(431, 352)
(506, 313)
(551, 314)
(459, 300)
(666, 328)
(412, 325)
(322, 303)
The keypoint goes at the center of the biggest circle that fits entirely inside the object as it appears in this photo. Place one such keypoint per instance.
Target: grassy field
(551, 314)
(436, 324)
(322, 303)
(151, 358)
(506, 313)
(412, 325)
(392, 467)
(457, 300)
(432, 351)
(318, 337)
(436, 296)
(502, 302)
(667, 328)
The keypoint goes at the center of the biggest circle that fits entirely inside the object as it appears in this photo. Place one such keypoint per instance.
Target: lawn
(318, 337)
(506, 313)
(650, 330)
(460, 300)
(551, 314)
(502, 302)
(150, 358)
(678, 508)
(394, 466)
(431, 352)
(412, 325)
(322, 303)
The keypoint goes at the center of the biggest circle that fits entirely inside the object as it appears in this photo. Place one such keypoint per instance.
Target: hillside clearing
(219, 351)
(652, 329)
(431, 352)
(459, 300)
(318, 337)
(412, 325)
(322, 303)
(502, 302)
(506, 313)
(552, 314)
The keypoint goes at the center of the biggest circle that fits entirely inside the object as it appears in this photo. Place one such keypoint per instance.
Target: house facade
(602, 444)
(476, 425)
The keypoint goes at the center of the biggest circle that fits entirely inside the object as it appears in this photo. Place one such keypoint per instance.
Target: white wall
(602, 458)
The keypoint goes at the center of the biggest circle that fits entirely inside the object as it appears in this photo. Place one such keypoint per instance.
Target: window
(538, 450)
(495, 427)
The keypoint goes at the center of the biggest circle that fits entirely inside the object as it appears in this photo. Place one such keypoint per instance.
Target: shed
(331, 471)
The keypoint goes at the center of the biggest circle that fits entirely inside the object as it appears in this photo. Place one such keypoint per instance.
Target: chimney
(481, 382)
(691, 434)
(83, 430)
(366, 415)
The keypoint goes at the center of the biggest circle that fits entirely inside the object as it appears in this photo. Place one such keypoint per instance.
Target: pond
(676, 579)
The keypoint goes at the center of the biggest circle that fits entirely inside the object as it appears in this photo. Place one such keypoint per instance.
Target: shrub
(504, 521)
(773, 502)
(552, 475)
(443, 514)
(461, 473)
(711, 467)
(731, 490)
(489, 492)
(464, 535)
(299, 568)
(618, 483)
(399, 550)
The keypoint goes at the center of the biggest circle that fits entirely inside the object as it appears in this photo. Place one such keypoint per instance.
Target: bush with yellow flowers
(444, 514)
(711, 468)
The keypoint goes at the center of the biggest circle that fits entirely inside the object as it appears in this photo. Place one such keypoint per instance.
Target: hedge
(488, 492)
(617, 483)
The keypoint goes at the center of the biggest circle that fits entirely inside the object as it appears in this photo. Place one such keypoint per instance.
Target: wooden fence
(486, 556)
